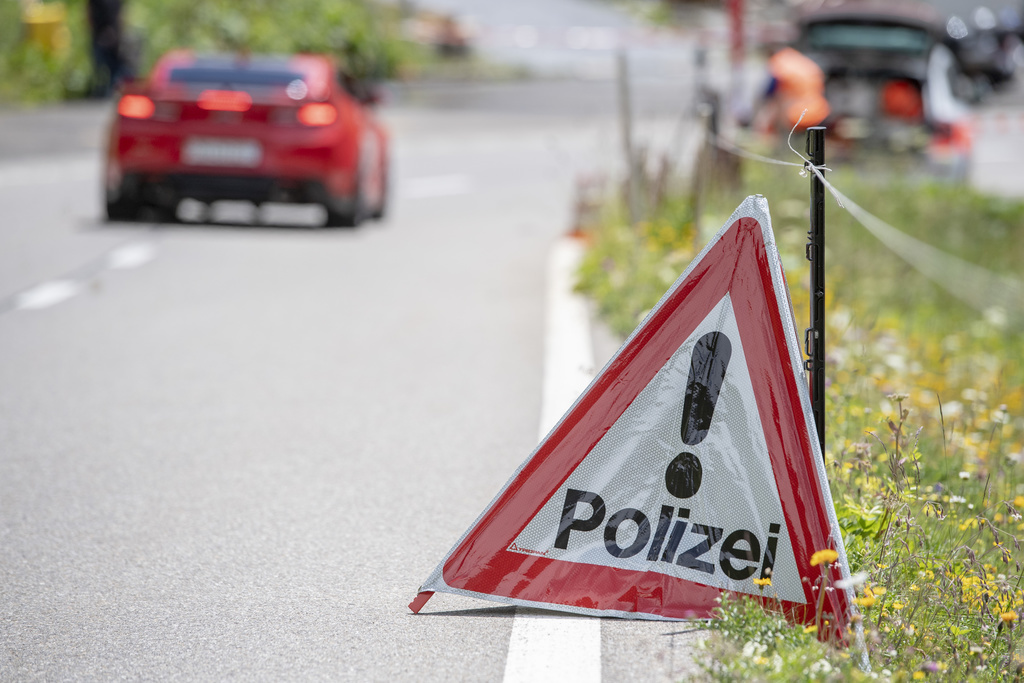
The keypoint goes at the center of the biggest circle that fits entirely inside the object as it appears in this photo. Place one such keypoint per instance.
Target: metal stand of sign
(814, 337)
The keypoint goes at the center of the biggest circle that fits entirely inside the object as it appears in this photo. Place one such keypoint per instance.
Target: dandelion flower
(826, 555)
(919, 675)
(763, 582)
(897, 605)
(1008, 617)
(866, 601)
(810, 629)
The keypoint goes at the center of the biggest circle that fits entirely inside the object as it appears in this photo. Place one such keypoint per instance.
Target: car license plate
(222, 152)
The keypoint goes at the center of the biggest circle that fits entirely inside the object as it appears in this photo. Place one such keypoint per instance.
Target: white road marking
(436, 186)
(545, 646)
(131, 255)
(47, 294)
(124, 257)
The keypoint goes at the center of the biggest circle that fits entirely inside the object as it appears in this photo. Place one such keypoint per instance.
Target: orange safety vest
(801, 85)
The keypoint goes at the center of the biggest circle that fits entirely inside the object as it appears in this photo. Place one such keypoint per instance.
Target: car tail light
(317, 114)
(901, 99)
(956, 135)
(224, 100)
(136, 107)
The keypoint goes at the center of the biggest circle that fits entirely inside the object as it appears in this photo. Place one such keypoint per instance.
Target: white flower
(819, 667)
(965, 475)
(952, 409)
(996, 317)
(752, 648)
(957, 499)
(777, 663)
(854, 581)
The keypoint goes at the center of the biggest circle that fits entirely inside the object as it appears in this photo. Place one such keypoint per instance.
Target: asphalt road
(235, 449)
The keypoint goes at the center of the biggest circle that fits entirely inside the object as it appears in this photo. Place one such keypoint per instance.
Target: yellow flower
(763, 582)
(826, 555)
(1008, 617)
(897, 605)
(918, 675)
(810, 629)
(1018, 501)
(866, 601)
(914, 587)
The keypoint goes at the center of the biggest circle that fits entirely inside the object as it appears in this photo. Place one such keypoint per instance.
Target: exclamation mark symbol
(708, 364)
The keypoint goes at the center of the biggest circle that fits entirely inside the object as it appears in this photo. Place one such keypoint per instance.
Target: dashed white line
(131, 255)
(545, 646)
(47, 294)
(53, 292)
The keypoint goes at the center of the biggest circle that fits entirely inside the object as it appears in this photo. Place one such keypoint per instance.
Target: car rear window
(881, 37)
(237, 77)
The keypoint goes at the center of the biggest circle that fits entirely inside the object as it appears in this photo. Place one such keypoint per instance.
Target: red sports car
(243, 127)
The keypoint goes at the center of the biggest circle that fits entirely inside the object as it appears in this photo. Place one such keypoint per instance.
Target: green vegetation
(362, 34)
(925, 419)
(30, 72)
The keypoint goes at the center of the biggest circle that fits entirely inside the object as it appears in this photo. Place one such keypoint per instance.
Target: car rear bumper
(291, 158)
(167, 189)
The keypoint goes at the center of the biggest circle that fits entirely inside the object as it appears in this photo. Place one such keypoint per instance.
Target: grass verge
(925, 422)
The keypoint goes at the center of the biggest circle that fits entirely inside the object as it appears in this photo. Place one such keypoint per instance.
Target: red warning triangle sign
(688, 468)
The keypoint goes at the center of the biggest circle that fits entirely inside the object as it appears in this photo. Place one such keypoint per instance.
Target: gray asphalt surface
(240, 458)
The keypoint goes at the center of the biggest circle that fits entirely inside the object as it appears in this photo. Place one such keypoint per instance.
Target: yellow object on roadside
(46, 25)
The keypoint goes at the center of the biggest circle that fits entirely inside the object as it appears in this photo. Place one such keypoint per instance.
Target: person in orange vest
(796, 87)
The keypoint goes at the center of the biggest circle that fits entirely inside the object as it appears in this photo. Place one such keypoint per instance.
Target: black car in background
(891, 82)
(985, 36)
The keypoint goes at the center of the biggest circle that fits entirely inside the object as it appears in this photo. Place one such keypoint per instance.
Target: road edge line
(547, 646)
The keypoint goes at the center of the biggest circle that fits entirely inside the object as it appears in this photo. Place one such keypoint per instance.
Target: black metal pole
(814, 337)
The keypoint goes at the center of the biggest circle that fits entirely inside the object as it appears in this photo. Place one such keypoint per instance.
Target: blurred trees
(33, 72)
(362, 34)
